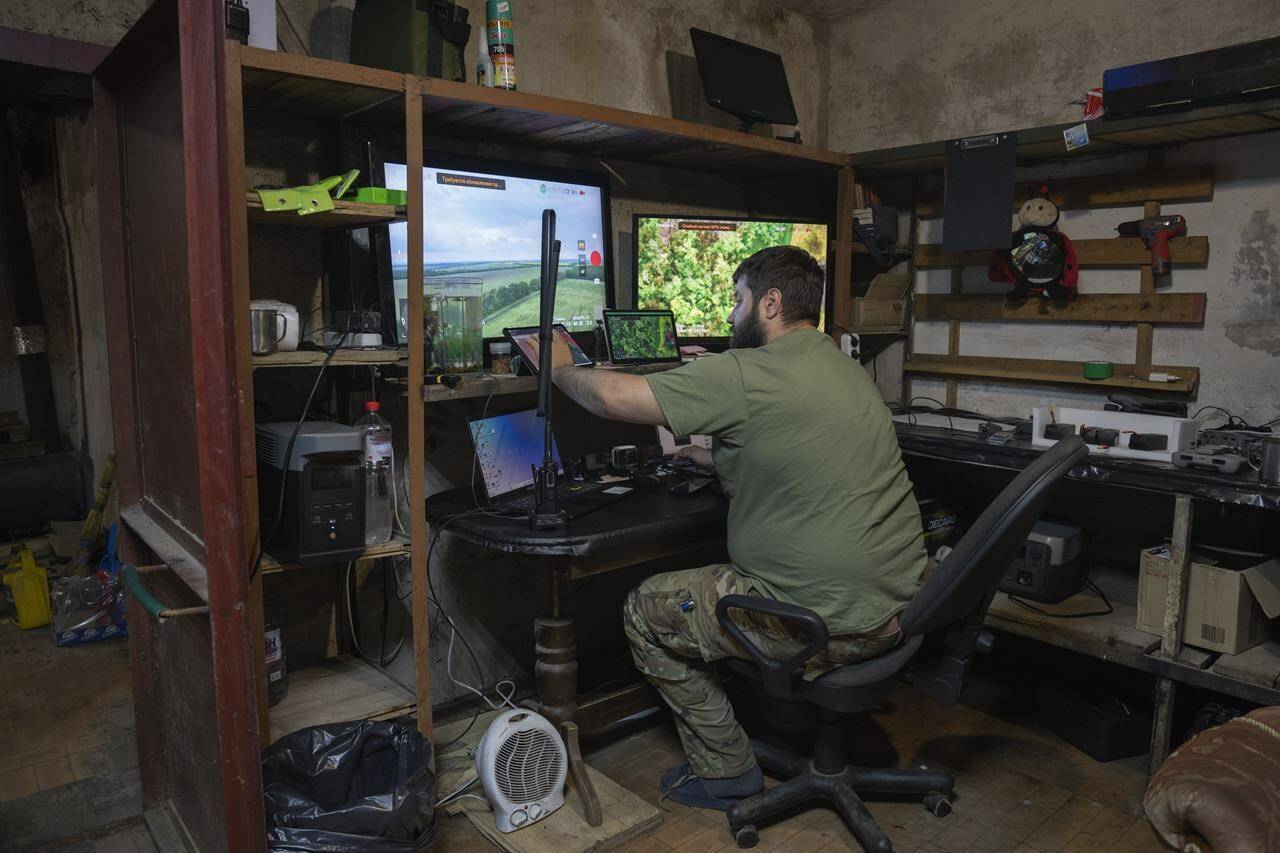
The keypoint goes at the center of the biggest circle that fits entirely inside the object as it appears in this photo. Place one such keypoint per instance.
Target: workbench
(648, 528)
(1251, 675)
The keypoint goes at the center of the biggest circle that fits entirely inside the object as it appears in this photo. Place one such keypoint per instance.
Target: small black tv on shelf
(745, 81)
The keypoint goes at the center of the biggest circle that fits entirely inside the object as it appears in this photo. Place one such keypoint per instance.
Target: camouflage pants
(670, 621)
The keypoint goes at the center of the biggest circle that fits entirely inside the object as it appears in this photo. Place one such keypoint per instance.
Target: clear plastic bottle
(379, 463)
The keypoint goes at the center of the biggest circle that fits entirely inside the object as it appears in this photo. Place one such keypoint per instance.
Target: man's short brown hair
(794, 273)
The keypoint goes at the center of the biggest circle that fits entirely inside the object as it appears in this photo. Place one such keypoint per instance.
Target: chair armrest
(776, 675)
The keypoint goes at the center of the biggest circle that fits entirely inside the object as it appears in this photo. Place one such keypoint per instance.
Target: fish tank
(454, 326)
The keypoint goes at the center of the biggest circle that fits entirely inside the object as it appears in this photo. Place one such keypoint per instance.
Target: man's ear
(772, 303)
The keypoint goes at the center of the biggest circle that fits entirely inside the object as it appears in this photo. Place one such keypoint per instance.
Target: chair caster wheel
(938, 804)
(746, 836)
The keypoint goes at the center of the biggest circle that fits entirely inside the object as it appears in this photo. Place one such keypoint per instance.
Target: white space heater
(522, 763)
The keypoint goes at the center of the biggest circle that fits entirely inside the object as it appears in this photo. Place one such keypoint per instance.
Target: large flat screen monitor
(686, 264)
(481, 226)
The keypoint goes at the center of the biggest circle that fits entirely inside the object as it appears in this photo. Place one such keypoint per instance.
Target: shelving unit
(267, 81)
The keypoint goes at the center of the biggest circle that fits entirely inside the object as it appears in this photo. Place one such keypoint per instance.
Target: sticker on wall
(1076, 137)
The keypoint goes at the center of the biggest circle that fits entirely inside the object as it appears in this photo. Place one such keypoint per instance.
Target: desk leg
(556, 670)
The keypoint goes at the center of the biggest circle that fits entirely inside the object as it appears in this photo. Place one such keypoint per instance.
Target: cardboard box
(1231, 597)
(885, 303)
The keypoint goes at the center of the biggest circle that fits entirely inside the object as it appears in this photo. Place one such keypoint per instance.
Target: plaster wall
(994, 65)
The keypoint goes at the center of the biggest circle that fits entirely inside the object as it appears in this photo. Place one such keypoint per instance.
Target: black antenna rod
(546, 512)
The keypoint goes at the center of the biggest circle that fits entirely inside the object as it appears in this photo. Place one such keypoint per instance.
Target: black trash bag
(350, 788)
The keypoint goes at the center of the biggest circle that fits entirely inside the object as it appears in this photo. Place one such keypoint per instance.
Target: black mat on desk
(650, 513)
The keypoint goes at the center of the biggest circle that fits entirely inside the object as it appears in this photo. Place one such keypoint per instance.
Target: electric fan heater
(522, 764)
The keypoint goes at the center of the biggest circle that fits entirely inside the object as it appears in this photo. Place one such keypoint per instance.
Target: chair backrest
(968, 578)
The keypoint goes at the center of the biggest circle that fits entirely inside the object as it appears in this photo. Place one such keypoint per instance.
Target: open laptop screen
(507, 447)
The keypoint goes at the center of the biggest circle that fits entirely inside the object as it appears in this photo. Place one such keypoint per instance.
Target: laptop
(509, 446)
(641, 337)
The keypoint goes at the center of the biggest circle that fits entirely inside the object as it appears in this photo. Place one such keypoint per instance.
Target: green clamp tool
(309, 198)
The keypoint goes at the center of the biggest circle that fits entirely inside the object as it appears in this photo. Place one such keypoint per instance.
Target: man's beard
(748, 333)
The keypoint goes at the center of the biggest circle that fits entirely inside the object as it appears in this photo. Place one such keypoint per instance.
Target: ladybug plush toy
(1040, 258)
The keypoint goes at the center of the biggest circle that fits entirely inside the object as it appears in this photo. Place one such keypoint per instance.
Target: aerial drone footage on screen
(687, 263)
(481, 232)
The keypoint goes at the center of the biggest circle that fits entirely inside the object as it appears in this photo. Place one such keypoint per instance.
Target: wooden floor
(68, 773)
(1019, 788)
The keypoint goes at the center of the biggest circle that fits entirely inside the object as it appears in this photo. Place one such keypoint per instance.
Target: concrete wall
(633, 55)
(905, 72)
(1000, 65)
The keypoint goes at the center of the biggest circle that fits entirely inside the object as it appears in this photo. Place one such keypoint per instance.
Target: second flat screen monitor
(481, 234)
(686, 264)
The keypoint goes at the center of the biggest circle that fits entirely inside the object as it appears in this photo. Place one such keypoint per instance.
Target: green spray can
(502, 43)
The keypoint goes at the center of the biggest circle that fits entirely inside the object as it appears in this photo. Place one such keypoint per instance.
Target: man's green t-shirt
(821, 511)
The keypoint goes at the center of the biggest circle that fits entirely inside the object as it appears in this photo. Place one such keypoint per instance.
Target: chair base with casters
(827, 775)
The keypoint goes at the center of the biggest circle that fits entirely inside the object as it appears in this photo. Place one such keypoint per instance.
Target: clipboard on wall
(978, 197)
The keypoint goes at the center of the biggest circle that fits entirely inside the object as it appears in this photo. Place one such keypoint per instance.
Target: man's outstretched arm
(606, 393)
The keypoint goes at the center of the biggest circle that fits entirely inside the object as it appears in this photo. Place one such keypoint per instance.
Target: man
(821, 512)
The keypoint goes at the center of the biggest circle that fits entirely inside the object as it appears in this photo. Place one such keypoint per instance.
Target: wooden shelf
(397, 547)
(1126, 189)
(1045, 371)
(286, 83)
(345, 688)
(1105, 252)
(480, 385)
(1156, 308)
(345, 215)
(1106, 136)
(345, 357)
(875, 330)
(1114, 637)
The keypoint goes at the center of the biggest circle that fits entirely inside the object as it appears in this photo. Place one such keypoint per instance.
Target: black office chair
(954, 597)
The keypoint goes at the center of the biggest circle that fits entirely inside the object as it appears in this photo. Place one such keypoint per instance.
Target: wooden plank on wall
(1162, 308)
(1131, 188)
(1045, 371)
(1106, 252)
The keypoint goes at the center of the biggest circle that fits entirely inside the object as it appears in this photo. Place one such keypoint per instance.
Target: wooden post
(1166, 690)
(1171, 636)
(1175, 599)
(953, 336)
(239, 220)
(1147, 286)
(908, 343)
(842, 275)
(418, 532)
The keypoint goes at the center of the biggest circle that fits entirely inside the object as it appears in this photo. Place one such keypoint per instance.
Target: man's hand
(560, 354)
(700, 456)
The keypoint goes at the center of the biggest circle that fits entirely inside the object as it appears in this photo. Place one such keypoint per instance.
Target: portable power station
(1046, 568)
(322, 520)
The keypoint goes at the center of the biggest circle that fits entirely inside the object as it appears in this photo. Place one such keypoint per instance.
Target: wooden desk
(649, 528)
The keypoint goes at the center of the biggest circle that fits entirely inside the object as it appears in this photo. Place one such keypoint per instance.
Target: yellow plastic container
(30, 587)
